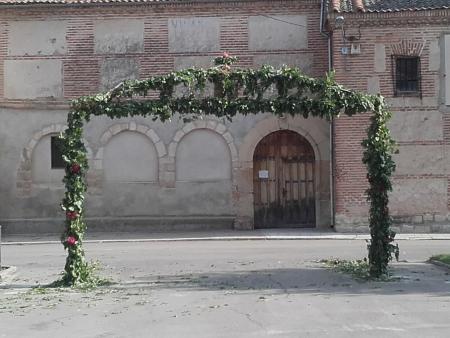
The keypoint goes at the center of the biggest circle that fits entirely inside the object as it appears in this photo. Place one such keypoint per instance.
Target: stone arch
(24, 181)
(304, 127)
(264, 128)
(212, 125)
(134, 127)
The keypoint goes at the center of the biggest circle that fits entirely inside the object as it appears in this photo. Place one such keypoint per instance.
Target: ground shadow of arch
(314, 278)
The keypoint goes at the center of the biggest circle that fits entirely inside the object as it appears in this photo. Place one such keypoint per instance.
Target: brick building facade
(146, 174)
(385, 31)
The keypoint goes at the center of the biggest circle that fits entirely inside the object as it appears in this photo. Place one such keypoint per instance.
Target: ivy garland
(236, 91)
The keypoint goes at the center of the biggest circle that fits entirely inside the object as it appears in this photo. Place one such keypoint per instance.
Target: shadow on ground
(407, 278)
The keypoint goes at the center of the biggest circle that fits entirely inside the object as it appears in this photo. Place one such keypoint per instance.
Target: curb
(360, 237)
(440, 264)
(195, 239)
(7, 273)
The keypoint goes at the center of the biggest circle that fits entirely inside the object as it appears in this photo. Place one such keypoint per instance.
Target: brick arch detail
(134, 127)
(24, 182)
(407, 47)
(264, 128)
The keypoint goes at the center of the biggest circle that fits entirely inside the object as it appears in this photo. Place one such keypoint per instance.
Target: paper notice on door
(263, 174)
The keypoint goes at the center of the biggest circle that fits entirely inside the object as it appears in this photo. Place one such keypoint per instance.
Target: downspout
(323, 32)
(323, 12)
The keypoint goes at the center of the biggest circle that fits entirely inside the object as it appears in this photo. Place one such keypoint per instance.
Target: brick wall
(420, 125)
(82, 64)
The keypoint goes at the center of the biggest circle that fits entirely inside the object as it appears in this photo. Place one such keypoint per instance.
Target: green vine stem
(75, 157)
(377, 157)
(237, 91)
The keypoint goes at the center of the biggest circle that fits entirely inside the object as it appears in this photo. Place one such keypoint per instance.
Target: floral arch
(236, 91)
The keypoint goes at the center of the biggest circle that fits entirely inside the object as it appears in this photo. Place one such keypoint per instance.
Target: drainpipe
(323, 11)
(323, 32)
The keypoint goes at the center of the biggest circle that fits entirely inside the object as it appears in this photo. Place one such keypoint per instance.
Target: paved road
(227, 289)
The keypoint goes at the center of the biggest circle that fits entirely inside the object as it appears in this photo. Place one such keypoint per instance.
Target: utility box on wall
(355, 48)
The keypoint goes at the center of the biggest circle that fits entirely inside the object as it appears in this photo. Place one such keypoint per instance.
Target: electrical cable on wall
(276, 19)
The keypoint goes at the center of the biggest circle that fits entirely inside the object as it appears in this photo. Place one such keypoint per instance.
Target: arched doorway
(283, 181)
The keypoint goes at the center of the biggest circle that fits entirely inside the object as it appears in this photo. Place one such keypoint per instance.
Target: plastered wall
(144, 173)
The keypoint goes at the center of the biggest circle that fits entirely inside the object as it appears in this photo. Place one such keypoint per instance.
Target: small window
(57, 161)
(407, 75)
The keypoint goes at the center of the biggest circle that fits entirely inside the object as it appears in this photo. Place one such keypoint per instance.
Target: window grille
(57, 161)
(406, 73)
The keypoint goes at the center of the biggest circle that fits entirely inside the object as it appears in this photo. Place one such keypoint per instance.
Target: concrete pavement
(218, 288)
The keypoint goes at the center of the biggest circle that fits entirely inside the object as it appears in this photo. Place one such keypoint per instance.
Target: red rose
(71, 215)
(75, 168)
(71, 240)
(226, 55)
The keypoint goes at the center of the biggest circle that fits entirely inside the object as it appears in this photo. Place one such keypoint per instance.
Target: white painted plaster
(37, 37)
(203, 155)
(286, 32)
(31, 79)
(447, 69)
(130, 157)
(41, 171)
(119, 36)
(304, 61)
(380, 58)
(194, 34)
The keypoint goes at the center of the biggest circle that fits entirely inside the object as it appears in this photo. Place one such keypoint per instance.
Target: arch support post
(76, 270)
(380, 166)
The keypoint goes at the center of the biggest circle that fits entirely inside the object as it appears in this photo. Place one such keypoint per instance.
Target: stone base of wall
(398, 228)
(426, 223)
(422, 228)
(243, 223)
(353, 229)
(122, 224)
(346, 224)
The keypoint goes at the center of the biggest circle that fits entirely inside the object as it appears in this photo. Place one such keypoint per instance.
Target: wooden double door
(283, 181)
